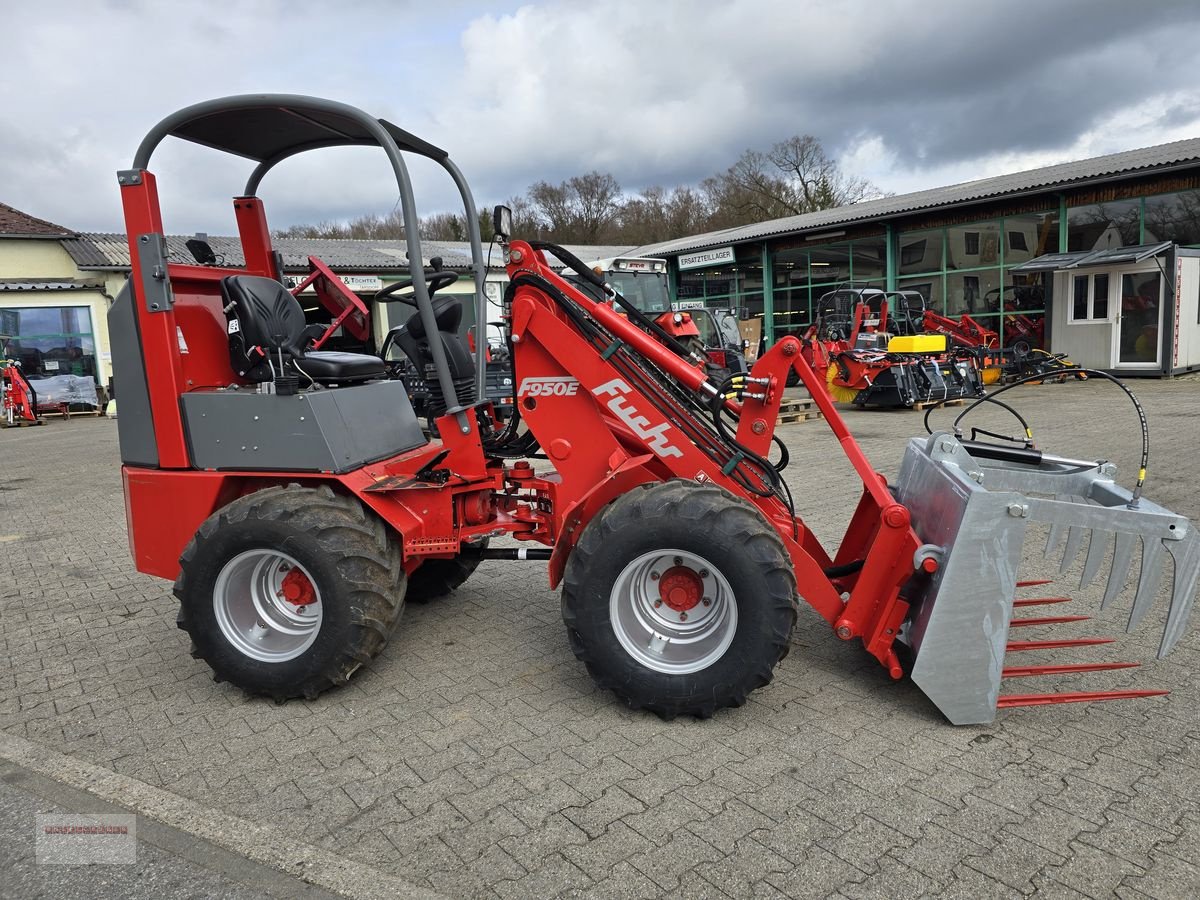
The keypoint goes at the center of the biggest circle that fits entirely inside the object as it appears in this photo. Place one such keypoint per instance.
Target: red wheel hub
(297, 589)
(680, 588)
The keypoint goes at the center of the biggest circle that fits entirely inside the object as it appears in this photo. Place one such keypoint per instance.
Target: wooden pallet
(799, 410)
(793, 417)
(68, 414)
(923, 405)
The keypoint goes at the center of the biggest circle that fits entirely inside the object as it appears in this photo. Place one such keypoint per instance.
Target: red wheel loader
(296, 503)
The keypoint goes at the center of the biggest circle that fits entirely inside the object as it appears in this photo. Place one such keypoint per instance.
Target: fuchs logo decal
(553, 386)
(656, 436)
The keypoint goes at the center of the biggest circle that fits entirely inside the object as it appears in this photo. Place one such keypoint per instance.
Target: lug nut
(654, 576)
(678, 561)
(704, 573)
(683, 617)
(657, 604)
(706, 601)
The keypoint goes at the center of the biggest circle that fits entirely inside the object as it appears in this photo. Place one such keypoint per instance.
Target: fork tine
(1148, 580)
(1054, 538)
(1074, 542)
(1097, 547)
(1121, 564)
(1186, 554)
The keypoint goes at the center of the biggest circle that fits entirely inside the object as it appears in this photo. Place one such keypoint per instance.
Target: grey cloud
(663, 93)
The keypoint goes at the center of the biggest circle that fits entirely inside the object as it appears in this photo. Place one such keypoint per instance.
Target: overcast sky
(907, 94)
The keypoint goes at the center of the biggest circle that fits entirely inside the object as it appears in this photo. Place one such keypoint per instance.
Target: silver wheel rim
(253, 612)
(664, 638)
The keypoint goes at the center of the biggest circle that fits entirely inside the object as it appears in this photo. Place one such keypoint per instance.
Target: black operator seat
(262, 313)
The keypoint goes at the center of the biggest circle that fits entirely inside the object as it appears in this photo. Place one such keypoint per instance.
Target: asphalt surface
(475, 757)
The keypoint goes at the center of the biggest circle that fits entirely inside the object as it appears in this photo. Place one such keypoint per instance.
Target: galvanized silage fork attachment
(971, 504)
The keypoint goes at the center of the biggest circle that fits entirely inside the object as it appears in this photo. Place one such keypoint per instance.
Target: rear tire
(288, 591)
(647, 558)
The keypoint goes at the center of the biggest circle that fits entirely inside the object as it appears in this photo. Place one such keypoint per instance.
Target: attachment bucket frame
(972, 513)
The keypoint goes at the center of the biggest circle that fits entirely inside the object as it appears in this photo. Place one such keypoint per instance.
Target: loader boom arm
(609, 403)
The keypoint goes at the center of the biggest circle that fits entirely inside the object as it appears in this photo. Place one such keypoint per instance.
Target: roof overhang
(1086, 259)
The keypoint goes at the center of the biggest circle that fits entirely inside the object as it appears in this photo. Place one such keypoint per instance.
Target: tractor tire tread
(357, 545)
(737, 523)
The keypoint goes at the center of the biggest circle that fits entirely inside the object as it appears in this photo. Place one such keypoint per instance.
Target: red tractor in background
(18, 400)
(296, 502)
(703, 334)
(871, 345)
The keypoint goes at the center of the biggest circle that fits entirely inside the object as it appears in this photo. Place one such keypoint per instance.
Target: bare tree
(796, 176)
(581, 210)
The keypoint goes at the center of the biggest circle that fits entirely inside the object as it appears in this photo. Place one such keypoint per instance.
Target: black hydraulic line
(1099, 373)
(989, 399)
(847, 569)
(677, 406)
(635, 314)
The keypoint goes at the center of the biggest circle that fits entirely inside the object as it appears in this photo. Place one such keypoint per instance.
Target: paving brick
(556, 876)
(1089, 871)
(476, 757)
(1013, 861)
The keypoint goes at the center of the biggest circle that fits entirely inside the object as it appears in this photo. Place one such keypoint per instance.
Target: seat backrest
(267, 315)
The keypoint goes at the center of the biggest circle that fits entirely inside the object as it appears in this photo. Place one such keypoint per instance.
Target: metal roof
(1061, 175)
(14, 223)
(17, 284)
(110, 251)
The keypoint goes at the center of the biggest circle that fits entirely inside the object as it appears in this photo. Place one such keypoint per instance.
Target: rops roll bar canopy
(270, 128)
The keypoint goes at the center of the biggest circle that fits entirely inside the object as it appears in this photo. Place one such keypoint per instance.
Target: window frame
(1091, 319)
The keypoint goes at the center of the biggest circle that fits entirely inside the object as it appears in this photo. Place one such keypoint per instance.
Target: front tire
(680, 598)
(288, 591)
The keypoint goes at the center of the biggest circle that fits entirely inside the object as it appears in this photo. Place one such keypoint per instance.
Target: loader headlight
(502, 222)
(678, 317)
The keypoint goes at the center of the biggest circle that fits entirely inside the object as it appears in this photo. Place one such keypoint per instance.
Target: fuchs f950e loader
(296, 502)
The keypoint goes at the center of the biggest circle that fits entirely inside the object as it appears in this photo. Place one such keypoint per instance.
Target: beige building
(53, 315)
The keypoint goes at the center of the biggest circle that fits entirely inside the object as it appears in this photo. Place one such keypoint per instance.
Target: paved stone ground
(476, 758)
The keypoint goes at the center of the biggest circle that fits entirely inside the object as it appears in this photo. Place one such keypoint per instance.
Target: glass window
(791, 294)
(1089, 297)
(1104, 226)
(920, 251)
(1080, 298)
(930, 287)
(829, 262)
(1173, 217)
(1100, 296)
(53, 340)
(971, 292)
(973, 246)
(869, 260)
(1029, 236)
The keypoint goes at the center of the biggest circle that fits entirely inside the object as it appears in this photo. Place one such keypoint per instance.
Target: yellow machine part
(918, 343)
(838, 392)
(991, 374)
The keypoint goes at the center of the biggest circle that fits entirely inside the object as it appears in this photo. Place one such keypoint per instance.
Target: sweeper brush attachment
(971, 504)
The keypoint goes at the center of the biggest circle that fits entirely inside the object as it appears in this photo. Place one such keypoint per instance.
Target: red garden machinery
(296, 518)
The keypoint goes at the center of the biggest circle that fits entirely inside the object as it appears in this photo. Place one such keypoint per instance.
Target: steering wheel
(434, 282)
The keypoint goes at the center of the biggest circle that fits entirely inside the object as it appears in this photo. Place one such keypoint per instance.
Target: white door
(1137, 339)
